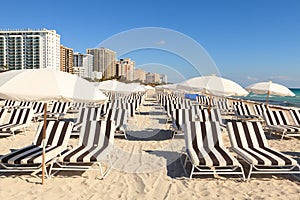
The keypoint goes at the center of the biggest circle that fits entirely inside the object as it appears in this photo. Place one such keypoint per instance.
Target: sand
(147, 166)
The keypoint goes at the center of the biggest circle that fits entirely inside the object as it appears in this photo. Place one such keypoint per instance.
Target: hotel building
(125, 69)
(153, 78)
(140, 75)
(104, 61)
(66, 59)
(29, 49)
(83, 65)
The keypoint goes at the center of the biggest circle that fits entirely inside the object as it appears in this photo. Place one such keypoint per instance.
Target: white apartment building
(29, 49)
(83, 65)
(104, 61)
(140, 75)
(163, 78)
(125, 69)
(152, 78)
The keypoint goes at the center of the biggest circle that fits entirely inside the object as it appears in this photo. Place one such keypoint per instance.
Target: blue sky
(249, 40)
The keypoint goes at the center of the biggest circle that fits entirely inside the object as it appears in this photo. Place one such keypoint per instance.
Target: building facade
(104, 61)
(152, 78)
(66, 59)
(29, 49)
(125, 69)
(83, 65)
(140, 75)
(163, 78)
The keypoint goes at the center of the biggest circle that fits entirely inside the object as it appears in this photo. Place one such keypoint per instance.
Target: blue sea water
(277, 100)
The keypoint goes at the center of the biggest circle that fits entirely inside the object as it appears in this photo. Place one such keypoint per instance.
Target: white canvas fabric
(271, 88)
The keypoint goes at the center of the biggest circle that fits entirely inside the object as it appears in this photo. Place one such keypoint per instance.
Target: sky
(247, 40)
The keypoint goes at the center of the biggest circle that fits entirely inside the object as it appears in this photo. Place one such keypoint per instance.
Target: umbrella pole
(44, 137)
(268, 95)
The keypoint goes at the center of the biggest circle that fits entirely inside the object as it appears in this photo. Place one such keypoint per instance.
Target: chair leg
(250, 171)
(192, 171)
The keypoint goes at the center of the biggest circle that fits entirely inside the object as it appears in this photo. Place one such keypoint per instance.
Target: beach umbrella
(269, 88)
(213, 85)
(46, 85)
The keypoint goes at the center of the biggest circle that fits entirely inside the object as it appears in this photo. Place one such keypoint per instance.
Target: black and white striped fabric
(295, 113)
(204, 145)
(25, 104)
(130, 107)
(243, 111)
(259, 109)
(181, 116)
(95, 141)
(119, 116)
(3, 113)
(19, 118)
(38, 108)
(276, 120)
(249, 142)
(59, 107)
(86, 114)
(9, 103)
(57, 136)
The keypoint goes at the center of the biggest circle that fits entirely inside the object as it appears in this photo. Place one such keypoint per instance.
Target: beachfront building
(104, 61)
(29, 49)
(140, 75)
(125, 69)
(66, 59)
(152, 78)
(83, 65)
(163, 78)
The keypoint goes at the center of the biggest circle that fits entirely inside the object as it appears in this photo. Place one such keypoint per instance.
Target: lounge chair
(259, 109)
(30, 158)
(3, 113)
(243, 112)
(9, 103)
(180, 117)
(277, 121)
(95, 143)
(249, 142)
(295, 113)
(86, 114)
(206, 152)
(19, 119)
(58, 110)
(119, 116)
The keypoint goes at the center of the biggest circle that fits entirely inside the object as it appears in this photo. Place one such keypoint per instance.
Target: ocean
(277, 100)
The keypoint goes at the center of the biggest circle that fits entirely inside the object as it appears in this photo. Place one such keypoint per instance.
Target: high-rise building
(125, 69)
(152, 78)
(66, 59)
(139, 75)
(29, 49)
(104, 61)
(163, 78)
(83, 65)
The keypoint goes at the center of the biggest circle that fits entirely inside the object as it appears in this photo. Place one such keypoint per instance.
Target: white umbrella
(213, 85)
(44, 85)
(120, 87)
(269, 88)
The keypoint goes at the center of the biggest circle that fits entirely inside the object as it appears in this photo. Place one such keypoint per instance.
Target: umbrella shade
(213, 85)
(269, 88)
(117, 86)
(46, 84)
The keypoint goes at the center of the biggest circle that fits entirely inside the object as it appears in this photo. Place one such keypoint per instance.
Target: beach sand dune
(147, 166)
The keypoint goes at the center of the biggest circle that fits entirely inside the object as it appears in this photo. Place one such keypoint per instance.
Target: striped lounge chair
(206, 152)
(119, 116)
(86, 114)
(30, 158)
(19, 119)
(249, 142)
(95, 143)
(180, 117)
(295, 113)
(3, 113)
(243, 112)
(277, 121)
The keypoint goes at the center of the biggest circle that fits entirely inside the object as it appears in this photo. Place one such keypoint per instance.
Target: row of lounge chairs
(204, 148)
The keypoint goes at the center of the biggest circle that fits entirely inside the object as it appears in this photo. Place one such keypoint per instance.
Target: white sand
(147, 166)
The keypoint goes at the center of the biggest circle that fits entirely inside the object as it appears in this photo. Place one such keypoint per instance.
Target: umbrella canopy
(117, 86)
(213, 85)
(46, 84)
(269, 88)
